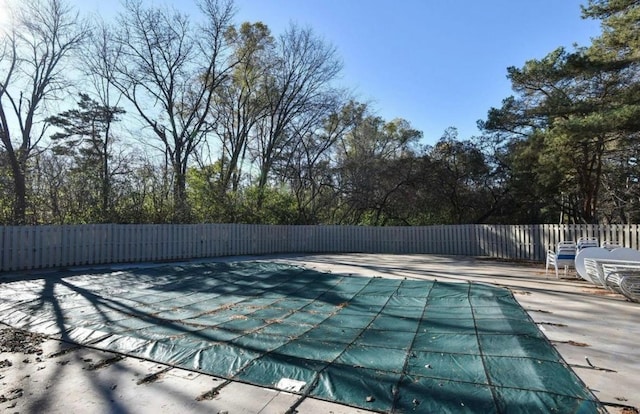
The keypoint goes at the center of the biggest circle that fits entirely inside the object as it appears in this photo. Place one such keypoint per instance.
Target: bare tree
(33, 54)
(169, 70)
(115, 160)
(307, 166)
(374, 167)
(298, 92)
(241, 101)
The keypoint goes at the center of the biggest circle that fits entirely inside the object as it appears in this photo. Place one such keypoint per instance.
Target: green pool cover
(387, 345)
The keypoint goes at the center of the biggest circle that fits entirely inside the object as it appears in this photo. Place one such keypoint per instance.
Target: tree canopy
(159, 116)
(576, 113)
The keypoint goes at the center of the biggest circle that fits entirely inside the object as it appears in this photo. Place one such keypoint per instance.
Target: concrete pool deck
(594, 330)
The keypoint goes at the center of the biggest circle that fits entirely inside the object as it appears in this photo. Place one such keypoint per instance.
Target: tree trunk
(181, 206)
(20, 200)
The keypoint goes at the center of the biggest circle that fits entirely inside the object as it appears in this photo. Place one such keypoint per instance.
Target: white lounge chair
(564, 256)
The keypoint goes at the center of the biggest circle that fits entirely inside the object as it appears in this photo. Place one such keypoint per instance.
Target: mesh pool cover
(387, 345)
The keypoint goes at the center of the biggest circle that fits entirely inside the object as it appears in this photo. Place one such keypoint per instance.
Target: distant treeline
(164, 117)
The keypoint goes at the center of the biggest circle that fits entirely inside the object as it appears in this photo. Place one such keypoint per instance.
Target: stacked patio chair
(623, 278)
(617, 270)
(584, 242)
(590, 269)
(564, 256)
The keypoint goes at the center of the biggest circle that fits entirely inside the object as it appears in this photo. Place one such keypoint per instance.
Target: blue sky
(435, 63)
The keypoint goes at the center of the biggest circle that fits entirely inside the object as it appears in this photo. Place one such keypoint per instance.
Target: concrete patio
(594, 330)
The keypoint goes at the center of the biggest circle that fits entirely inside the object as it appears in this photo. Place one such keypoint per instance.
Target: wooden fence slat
(9, 247)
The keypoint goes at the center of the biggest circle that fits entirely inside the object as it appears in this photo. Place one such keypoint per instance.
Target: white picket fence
(40, 247)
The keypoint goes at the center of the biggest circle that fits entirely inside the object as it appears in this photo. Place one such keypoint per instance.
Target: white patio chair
(593, 271)
(624, 278)
(587, 269)
(593, 263)
(584, 242)
(594, 268)
(610, 245)
(630, 284)
(564, 256)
